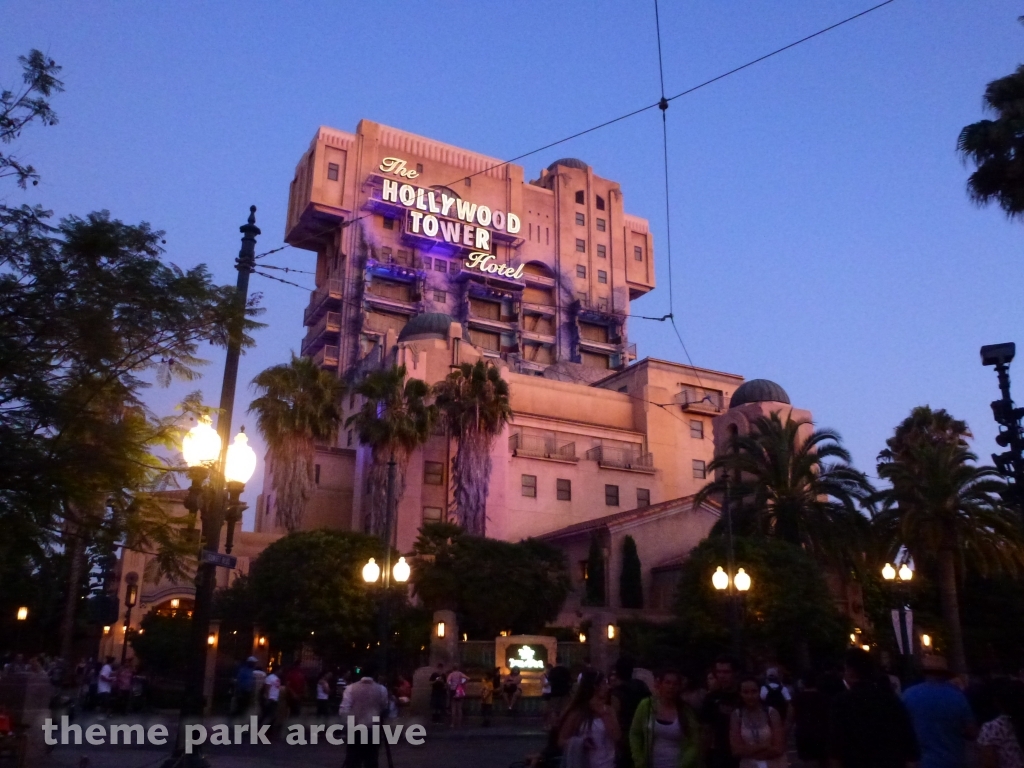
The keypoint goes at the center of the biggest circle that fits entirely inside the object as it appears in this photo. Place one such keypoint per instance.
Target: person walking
(438, 694)
(626, 695)
(716, 714)
(869, 727)
(757, 732)
(295, 684)
(457, 694)
(775, 694)
(363, 701)
(104, 686)
(665, 732)
(323, 694)
(942, 718)
(272, 692)
(489, 689)
(1000, 739)
(589, 729)
(244, 682)
(561, 686)
(810, 720)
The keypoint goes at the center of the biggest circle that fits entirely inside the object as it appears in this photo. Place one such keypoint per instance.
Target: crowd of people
(103, 686)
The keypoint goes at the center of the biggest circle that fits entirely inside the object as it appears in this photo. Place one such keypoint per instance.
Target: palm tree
(996, 147)
(798, 488)
(296, 408)
(394, 420)
(476, 406)
(945, 510)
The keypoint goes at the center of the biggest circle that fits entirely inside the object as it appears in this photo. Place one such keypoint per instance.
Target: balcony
(610, 457)
(328, 327)
(327, 357)
(700, 401)
(541, 447)
(328, 296)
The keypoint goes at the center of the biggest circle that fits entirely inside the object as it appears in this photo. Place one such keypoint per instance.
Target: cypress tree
(595, 573)
(631, 590)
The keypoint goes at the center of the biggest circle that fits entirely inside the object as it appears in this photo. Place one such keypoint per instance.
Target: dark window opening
(530, 486)
(699, 469)
(440, 297)
(611, 495)
(602, 252)
(332, 171)
(316, 474)
(697, 429)
(638, 253)
(581, 219)
(581, 271)
(581, 245)
(643, 497)
(389, 223)
(419, 167)
(599, 202)
(433, 473)
(581, 197)
(563, 490)
(602, 276)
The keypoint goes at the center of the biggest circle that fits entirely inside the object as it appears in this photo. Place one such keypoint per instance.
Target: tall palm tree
(476, 406)
(394, 420)
(296, 408)
(798, 488)
(945, 510)
(996, 147)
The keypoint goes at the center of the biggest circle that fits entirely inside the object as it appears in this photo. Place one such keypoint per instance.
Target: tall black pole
(127, 629)
(1009, 417)
(385, 608)
(213, 510)
(730, 566)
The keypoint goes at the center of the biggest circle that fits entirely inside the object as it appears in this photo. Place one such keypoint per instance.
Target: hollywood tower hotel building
(430, 255)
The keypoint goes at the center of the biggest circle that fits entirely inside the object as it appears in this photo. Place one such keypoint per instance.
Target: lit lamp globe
(201, 445)
(742, 580)
(371, 571)
(241, 461)
(905, 573)
(401, 571)
(720, 579)
(888, 572)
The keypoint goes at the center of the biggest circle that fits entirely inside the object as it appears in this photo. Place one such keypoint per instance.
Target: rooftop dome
(429, 325)
(569, 162)
(758, 391)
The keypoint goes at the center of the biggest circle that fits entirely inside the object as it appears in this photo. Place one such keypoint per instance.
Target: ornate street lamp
(371, 572)
(401, 571)
(131, 597)
(901, 579)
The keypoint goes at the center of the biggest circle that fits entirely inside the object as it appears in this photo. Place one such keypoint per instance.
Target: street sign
(218, 559)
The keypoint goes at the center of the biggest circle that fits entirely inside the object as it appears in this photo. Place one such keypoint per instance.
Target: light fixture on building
(371, 571)
(211, 639)
(175, 602)
(440, 629)
(201, 446)
(503, 633)
(742, 580)
(465, 637)
(22, 613)
(261, 642)
(401, 571)
(866, 648)
(106, 629)
(853, 639)
(611, 632)
(926, 641)
(583, 638)
(720, 579)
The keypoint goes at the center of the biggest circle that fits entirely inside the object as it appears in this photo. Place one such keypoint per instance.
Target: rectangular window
(432, 514)
(440, 297)
(700, 470)
(581, 197)
(602, 276)
(348, 439)
(402, 257)
(602, 252)
(530, 486)
(440, 265)
(332, 171)
(563, 489)
(643, 497)
(600, 225)
(611, 495)
(697, 429)
(426, 263)
(419, 167)
(316, 474)
(638, 253)
(389, 223)
(433, 473)
(599, 202)
(581, 219)
(581, 245)
(581, 271)
(469, 182)
(385, 253)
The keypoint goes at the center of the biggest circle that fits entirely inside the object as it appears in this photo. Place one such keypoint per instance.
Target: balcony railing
(327, 296)
(697, 401)
(541, 447)
(328, 326)
(621, 458)
(327, 357)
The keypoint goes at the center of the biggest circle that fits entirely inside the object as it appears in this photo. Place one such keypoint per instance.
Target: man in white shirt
(272, 685)
(104, 685)
(363, 701)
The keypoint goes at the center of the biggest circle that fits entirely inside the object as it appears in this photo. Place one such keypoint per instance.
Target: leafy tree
(946, 511)
(792, 482)
(996, 147)
(307, 588)
(631, 589)
(476, 406)
(297, 408)
(163, 644)
(788, 608)
(24, 105)
(595, 591)
(492, 585)
(394, 420)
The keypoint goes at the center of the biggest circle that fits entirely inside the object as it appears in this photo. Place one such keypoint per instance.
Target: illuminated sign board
(528, 657)
(481, 262)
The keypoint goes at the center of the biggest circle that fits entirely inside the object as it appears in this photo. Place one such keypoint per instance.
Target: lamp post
(218, 475)
(901, 578)
(400, 573)
(131, 597)
(1011, 463)
(723, 579)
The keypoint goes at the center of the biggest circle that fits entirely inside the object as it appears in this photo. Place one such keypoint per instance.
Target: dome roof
(758, 391)
(429, 325)
(569, 162)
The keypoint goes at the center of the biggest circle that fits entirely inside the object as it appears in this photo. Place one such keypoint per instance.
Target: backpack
(776, 700)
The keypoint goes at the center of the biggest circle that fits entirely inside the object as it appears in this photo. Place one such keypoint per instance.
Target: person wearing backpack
(776, 695)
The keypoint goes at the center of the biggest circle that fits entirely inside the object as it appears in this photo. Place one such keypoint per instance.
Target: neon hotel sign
(449, 219)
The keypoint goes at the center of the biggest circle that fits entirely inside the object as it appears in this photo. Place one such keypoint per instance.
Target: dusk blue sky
(821, 234)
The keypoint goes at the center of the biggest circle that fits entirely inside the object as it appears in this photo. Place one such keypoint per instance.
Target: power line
(278, 279)
(287, 269)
